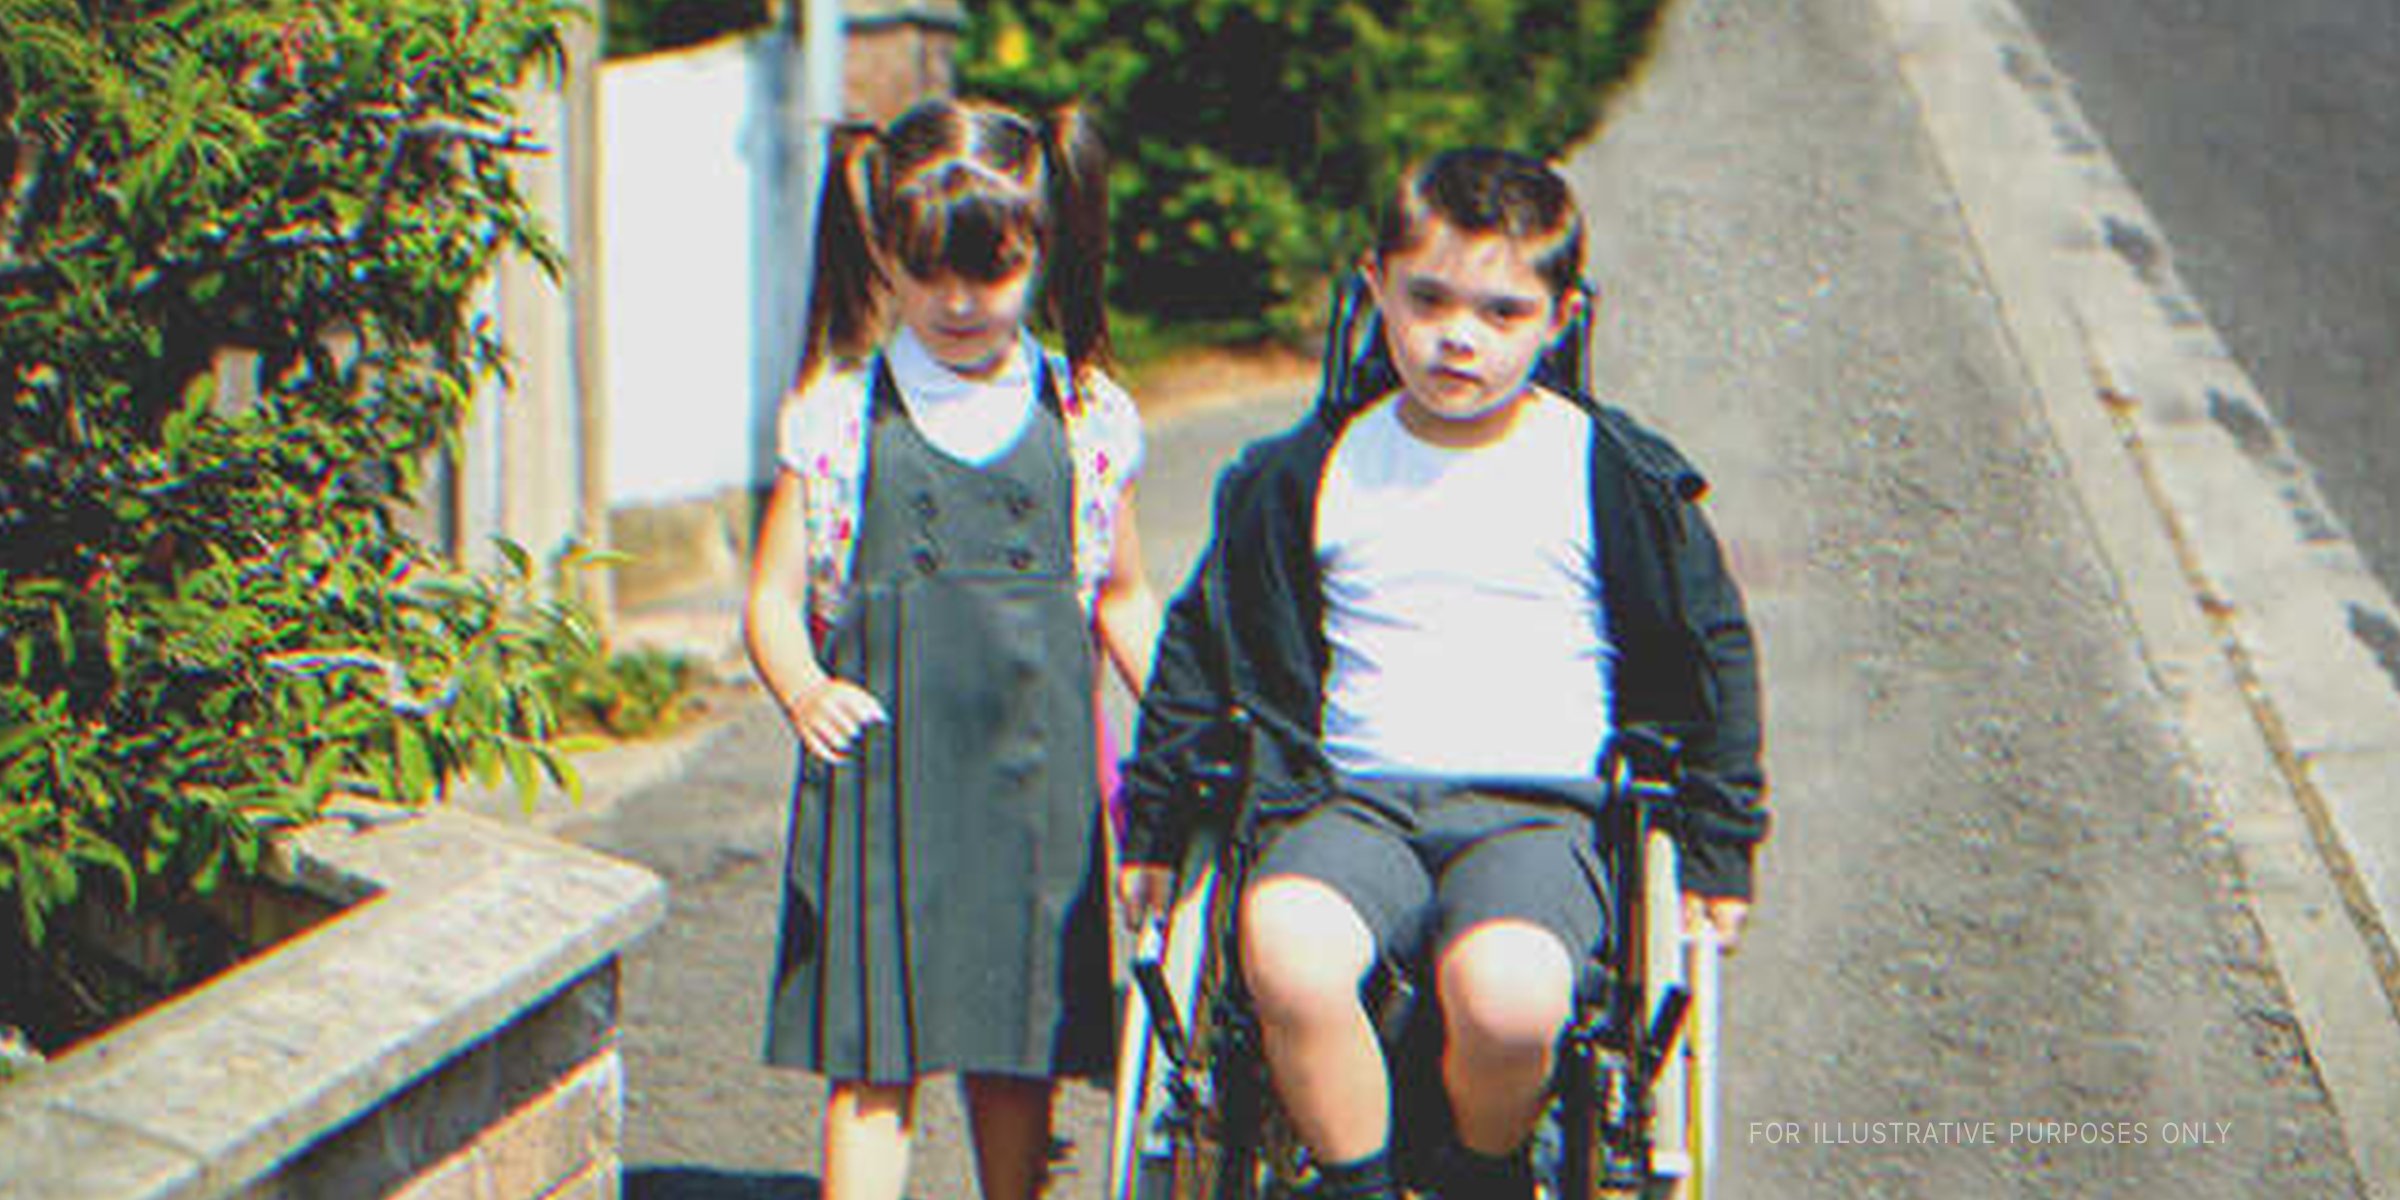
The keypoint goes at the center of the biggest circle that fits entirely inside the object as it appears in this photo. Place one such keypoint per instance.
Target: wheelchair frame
(1633, 1109)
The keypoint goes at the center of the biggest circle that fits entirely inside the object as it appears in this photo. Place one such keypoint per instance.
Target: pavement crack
(2381, 636)
(2249, 427)
(2135, 245)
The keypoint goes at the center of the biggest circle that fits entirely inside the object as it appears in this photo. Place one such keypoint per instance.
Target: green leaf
(177, 431)
(318, 779)
(212, 867)
(525, 774)
(569, 778)
(89, 848)
(519, 561)
(414, 761)
(18, 738)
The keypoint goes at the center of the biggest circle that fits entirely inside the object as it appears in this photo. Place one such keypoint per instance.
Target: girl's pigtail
(846, 291)
(1075, 279)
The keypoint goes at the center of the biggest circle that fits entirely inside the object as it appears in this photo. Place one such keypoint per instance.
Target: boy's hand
(1725, 913)
(832, 716)
(1145, 891)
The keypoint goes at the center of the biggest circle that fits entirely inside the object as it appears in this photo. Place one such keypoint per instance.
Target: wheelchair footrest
(1672, 1164)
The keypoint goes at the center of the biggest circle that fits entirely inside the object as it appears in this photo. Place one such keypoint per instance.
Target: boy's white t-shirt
(1463, 612)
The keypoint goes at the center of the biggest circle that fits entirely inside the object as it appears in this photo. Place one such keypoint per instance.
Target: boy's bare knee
(1304, 950)
(1507, 988)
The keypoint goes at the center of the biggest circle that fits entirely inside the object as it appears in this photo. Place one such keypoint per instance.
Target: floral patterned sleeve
(1105, 430)
(821, 440)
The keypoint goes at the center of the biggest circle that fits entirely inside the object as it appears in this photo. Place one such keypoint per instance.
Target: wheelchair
(1632, 1111)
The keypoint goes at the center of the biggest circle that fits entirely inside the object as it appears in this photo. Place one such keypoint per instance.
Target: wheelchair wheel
(1635, 1114)
(1246, 1154)
(1196, 1118)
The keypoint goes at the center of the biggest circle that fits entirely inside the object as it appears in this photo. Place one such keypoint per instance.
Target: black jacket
(1243, 658)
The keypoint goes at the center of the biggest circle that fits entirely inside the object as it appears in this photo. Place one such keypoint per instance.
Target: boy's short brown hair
(1482, 190)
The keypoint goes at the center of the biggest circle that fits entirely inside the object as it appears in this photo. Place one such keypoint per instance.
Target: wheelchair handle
(1642, 763)
(1149, 974)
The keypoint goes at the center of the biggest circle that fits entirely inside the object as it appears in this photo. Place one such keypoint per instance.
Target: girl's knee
(1304, 950)
(860, 1100)
(1507, 988)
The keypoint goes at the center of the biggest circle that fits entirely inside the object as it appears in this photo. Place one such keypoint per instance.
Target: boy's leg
(1305, 951)
(1010, 1118)
(867, 1132)
(1520, 910)
(1507, 991)
(1331, 889)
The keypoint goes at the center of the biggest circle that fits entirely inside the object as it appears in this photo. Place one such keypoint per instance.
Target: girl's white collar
(925, 380)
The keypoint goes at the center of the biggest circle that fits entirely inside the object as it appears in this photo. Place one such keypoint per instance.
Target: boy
(1433, 612)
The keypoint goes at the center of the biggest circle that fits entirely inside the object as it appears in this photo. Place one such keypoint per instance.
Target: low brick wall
(452, 1034)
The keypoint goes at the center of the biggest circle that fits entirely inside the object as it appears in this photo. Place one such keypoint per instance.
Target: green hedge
(634, 27)
(1256, 138)
(210, 618)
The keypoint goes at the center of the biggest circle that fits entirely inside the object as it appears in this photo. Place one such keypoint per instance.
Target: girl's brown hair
(966, 187)
(1481, 190)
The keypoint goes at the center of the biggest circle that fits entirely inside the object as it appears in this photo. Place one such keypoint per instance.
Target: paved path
(2039, 864)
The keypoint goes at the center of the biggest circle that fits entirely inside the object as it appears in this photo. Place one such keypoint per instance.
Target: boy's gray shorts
(1425, 860)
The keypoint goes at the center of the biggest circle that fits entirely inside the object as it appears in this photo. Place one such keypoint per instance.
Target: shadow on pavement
(709, 1183)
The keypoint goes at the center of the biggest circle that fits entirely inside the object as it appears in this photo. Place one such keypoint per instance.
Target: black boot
(1369, 1178)
(1463, 1174)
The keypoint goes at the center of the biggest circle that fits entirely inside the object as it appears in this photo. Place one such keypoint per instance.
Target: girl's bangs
(978, 234)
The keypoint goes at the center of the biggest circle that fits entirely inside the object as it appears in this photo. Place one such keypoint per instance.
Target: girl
(953, 521)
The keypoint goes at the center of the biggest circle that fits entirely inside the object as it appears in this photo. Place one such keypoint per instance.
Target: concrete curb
(2260, 621)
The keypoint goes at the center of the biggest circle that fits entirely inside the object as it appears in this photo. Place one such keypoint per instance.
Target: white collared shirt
(972, 420)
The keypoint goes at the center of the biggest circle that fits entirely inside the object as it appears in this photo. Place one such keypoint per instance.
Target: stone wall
(450, 1034)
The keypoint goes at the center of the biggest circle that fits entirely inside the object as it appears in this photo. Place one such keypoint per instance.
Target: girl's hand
(832, 716)
(1145, 892)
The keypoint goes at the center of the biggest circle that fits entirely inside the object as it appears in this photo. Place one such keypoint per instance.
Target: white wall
(700, 203)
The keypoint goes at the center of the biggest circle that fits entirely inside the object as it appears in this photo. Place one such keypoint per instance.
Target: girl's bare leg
(1010, 1117)
(867, 1131)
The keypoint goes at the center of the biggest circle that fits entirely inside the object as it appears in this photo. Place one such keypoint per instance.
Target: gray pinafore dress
(944, 904)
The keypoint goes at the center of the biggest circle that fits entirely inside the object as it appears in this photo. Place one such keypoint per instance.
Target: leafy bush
(1255, 138)
(210, 617)
(626, 694)
(642, 26)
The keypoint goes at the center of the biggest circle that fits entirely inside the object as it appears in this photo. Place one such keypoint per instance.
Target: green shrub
(623, 694)
(1256, 138)
(210, 618)
(642, 26)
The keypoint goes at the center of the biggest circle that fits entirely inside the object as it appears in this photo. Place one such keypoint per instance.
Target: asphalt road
(2265, 139)
(1995, 895)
